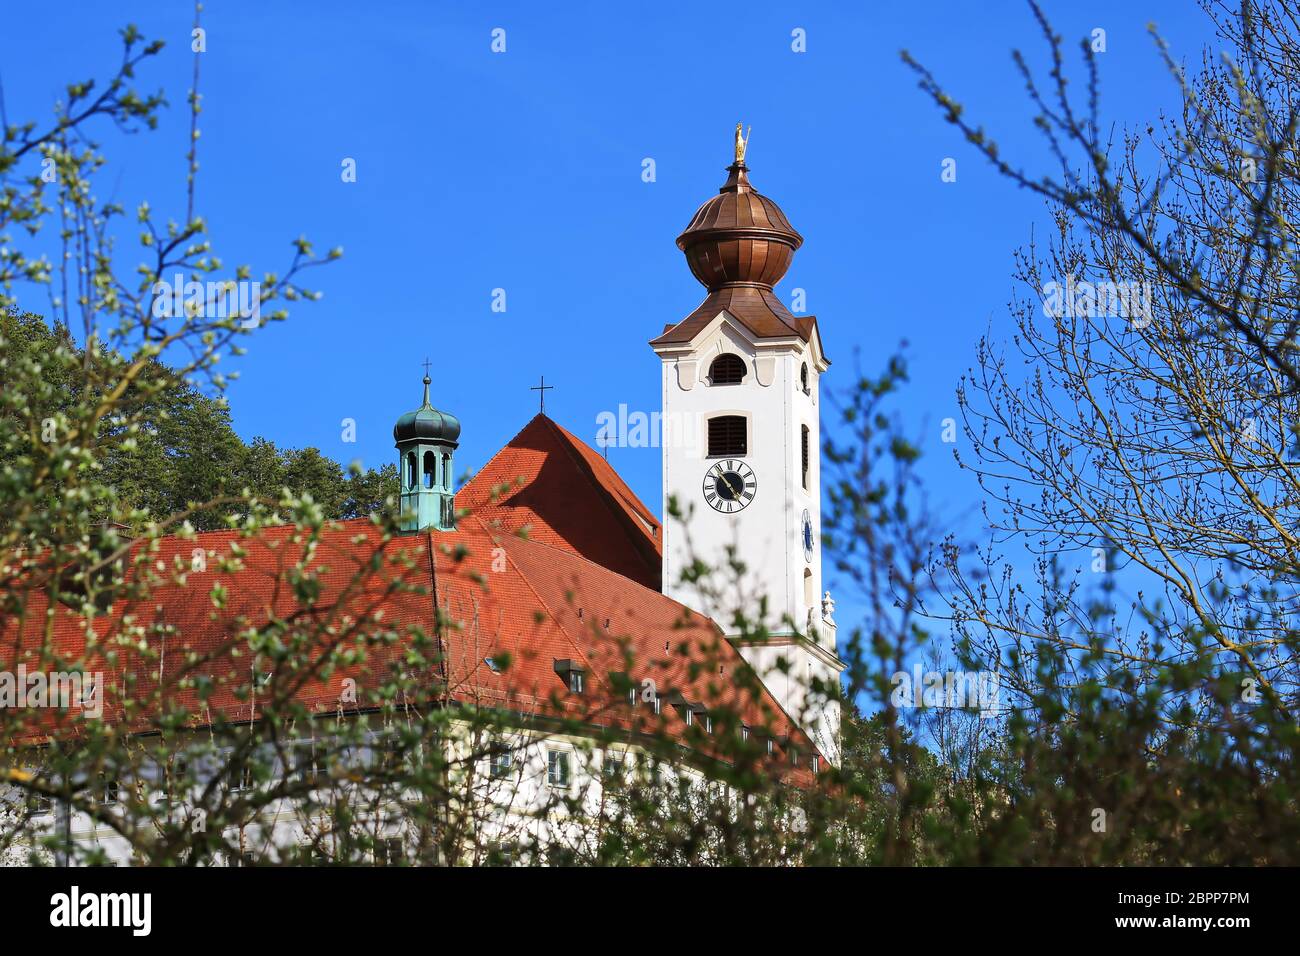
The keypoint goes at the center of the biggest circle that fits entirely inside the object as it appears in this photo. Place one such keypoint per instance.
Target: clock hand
(727, 482)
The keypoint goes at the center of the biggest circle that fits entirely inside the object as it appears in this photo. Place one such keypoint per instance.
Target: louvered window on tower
(804, 446)
(727, 437)
(727, 369)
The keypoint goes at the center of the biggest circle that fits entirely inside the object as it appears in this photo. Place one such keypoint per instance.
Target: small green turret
(426, 441)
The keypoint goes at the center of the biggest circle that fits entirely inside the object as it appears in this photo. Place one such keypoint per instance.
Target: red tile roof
(527, 600)
(539, 604)
(549, 485)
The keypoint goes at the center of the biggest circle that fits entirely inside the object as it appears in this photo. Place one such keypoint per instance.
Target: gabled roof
(547, 484)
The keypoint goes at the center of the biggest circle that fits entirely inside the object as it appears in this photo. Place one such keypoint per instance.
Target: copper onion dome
(427, 423)
(739, 245)
(739, 237)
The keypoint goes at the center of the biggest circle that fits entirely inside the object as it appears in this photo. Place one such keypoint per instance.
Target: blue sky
(522, 171)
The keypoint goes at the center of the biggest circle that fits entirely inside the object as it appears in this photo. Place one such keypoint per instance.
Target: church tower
(741, 379)
(426, 442)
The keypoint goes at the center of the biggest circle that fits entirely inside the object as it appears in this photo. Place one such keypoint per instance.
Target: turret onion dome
(427, 423)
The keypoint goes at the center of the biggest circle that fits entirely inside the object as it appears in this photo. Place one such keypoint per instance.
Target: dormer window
(727, 369)
(574, 675)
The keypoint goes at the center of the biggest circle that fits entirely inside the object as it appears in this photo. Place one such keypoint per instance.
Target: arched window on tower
(727, 437)
(727, 369)
(410, 469)
(446, 471)
(803, 377)
(430, 468)
(809, 596)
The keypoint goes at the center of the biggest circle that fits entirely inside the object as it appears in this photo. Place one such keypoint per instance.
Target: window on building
(572, 673)
(727, 369)
(803, 377)
(803, 445)
(389, 755)
(501, 764)
(614, 765)
(557, 768)
(446, 470)
(389, 852)
(502, 853)
(727, 437)
(410, 469)
(241, 777)
(313, 765)
(816, 763)
(430, 469)
(808, 596)
(38, 804)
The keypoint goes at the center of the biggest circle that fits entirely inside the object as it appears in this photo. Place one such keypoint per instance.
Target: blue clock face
(807, 537)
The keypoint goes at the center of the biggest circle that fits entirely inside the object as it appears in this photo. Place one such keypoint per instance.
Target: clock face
(730, 485)
(807, 534)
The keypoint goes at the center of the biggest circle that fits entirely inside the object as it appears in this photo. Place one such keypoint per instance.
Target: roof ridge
(498, 453)
(623, 485)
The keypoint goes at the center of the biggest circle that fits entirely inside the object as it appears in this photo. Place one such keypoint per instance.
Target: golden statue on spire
(742, 142)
